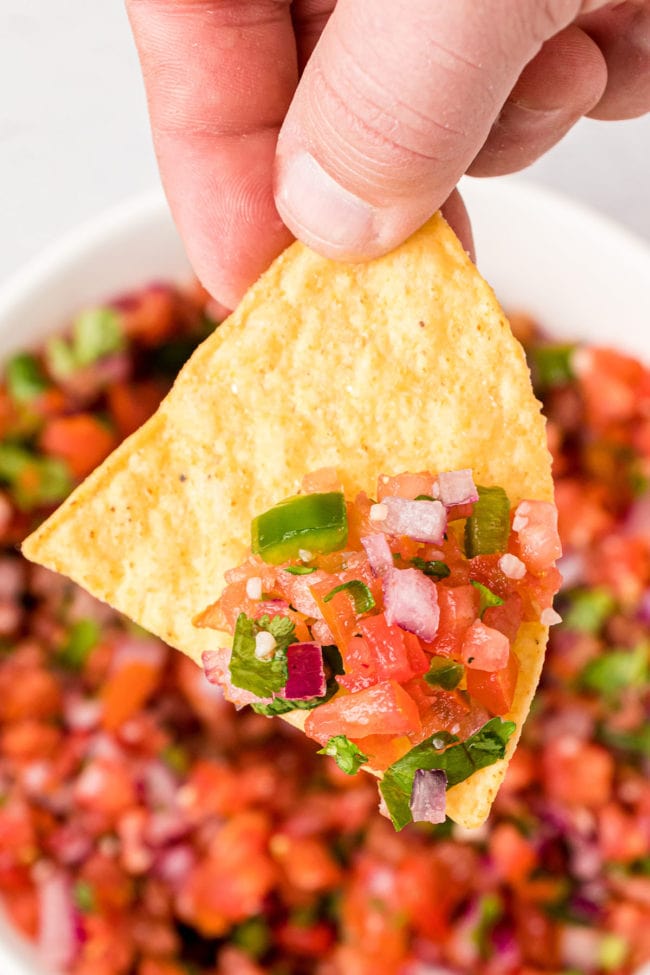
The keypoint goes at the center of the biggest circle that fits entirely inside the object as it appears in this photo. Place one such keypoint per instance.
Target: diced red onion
(174, 865)
(580, 947)
(378, 552)
(142, 650)
(429, 796)
(411, 601)
(457, 487)
(549, 617)
(485, 648)
(424, 521)
(512, 567)
(12, 577)
(160, 784)
(165, 826)
(322, 633)
(643, 611)
(306, 672)
(58, 936)
(82, 713)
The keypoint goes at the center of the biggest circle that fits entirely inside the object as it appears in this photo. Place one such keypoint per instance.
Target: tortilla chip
(402, 364)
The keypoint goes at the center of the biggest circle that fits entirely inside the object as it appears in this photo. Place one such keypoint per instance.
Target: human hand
(352, 144)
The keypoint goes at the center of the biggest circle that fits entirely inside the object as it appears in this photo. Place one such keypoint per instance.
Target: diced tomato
(418, 660)
(359, 663)
(610, 383)
(622, 564)
(583, 515)
(440, 711)
(495, 690)
(131, 404)
(80, 439)
(307, 863)
(539, 541)
(622, 838)
(149, 318)
(231, 880)
(405, 485)
(506, 618)
(126, 690)
(338, 612)
(385, 709)
(512, 856)
(311, 941)
(458, 610)
(387, 644)
(359, 524)
(383, 750)
(484, 648)
(577, 773)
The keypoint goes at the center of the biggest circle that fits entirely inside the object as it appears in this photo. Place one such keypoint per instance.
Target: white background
(74, 135)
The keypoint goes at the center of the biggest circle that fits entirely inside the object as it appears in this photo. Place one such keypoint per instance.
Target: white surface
(529, 240)
(74, 136)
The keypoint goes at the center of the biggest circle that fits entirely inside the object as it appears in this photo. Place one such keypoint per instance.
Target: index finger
(219, 76)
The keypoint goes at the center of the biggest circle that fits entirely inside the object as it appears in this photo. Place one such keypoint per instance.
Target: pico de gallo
(392, 621)
(149, 828)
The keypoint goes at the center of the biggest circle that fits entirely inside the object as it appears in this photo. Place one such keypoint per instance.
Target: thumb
(395, 102)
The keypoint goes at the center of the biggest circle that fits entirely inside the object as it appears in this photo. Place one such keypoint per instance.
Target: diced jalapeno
(313, 522)
(488, 527)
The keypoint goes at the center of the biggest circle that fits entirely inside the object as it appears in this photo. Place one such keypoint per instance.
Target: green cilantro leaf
(24, 378)
(300, 570)
(613, 671)
(589, 609)
(552, 364)
(358, 591)
(345, 753)
(96, 332)
(488, 598)
(433, 568)
(444, 673)
(442, 751)
(261, 677)
(83, 895)
(83, 636)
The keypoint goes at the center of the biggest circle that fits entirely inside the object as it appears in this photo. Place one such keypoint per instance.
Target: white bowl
(580, 274)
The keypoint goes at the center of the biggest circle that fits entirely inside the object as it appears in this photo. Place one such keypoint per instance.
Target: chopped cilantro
(261, 677)
(552, 364)
(589, 609)
(635, 742)
(444, 673)
(34, 480)
(300, 570)
(345, 753)
(358, 591)
(84, 896)
(279, 705)
(431, 567)
(442, 751)
(488, 598)
(490, 910)
(176, 757)
(617, 669)
(96, 332)
(253, 936)
(24, 378)
(82, 637)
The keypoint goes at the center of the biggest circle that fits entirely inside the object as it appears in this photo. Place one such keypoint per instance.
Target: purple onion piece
(424, 521)
(429, 796)
(457, 487)
(411, 601)
(306, 672)
(378, 552)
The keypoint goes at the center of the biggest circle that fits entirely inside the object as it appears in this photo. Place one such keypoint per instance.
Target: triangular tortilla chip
(401, 364)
